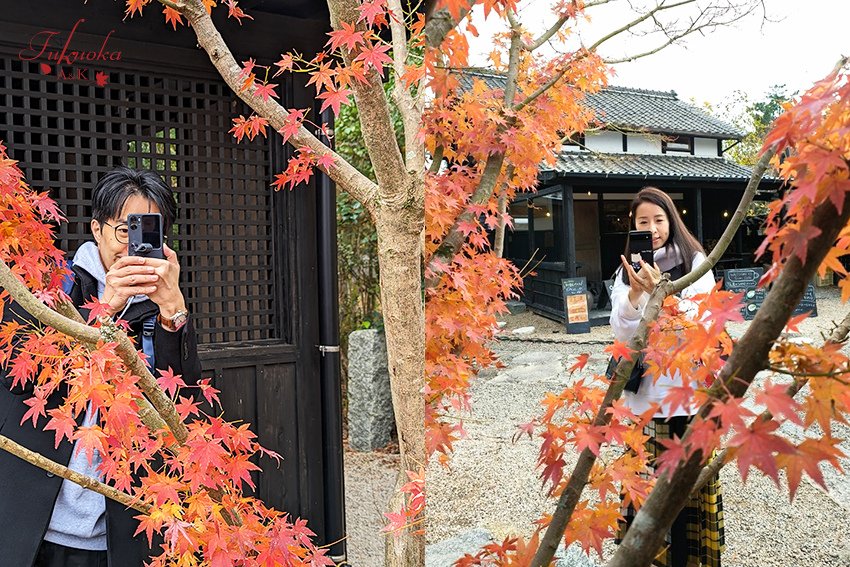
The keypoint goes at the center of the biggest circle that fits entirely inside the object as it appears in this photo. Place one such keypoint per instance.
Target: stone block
(515, 307)
(370, 408)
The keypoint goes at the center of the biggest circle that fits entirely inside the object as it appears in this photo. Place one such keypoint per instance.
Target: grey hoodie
(79, 515)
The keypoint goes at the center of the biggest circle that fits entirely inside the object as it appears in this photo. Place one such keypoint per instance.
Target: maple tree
(191, 467)
(589, 414)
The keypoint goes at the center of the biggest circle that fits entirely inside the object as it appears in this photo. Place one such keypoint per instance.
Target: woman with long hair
(696, 537)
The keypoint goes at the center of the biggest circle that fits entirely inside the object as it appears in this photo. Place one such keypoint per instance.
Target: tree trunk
(400, 232)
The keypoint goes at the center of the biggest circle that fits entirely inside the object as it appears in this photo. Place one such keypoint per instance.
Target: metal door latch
(327, 348)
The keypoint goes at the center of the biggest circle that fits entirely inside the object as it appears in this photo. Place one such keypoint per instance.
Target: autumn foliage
(814, 131)
(190, 492)
(469, 284)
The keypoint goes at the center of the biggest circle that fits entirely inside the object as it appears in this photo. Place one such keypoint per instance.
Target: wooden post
(569, 231)
(698, 212)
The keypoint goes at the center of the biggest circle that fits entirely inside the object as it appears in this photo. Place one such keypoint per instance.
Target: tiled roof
(665, 166)
(637, 109)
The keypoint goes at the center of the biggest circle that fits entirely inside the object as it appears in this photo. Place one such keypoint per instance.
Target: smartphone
(145, 235)
(640, 246)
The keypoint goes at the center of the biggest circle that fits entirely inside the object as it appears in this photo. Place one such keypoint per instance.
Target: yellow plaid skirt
(696, 538)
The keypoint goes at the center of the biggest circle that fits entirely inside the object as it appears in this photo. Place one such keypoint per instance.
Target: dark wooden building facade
(254, 262)
(577, 221)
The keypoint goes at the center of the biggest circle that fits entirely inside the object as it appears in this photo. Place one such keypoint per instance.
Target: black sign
(745, 280)
(577, 317)
(808, 304)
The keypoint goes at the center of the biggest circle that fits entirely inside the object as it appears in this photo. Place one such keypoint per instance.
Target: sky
(798, 44)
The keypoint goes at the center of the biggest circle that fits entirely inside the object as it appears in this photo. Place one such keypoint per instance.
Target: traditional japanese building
(577, 222)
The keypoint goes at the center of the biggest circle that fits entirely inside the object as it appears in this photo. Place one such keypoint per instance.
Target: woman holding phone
(696, 537)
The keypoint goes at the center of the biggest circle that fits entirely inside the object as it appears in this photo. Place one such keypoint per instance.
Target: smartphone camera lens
(134, 226)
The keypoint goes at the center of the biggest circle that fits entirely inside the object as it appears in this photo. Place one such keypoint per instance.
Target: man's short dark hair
(121, 183)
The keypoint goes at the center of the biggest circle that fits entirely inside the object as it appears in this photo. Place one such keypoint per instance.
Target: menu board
(808, 304)
(577, 318)
(745, 280)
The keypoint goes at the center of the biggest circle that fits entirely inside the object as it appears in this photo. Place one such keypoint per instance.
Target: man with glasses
(53, 522)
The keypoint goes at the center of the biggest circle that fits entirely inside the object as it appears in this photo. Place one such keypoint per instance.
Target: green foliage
(754, 118)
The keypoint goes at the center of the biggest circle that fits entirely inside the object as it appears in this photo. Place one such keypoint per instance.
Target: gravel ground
(492, 484)
(369, 479)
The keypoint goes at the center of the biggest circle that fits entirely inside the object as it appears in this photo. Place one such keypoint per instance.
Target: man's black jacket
(28, 493)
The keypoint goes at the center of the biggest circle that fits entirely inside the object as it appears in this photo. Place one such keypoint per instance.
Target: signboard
(574, 291)
(808, 304)
(745, 280)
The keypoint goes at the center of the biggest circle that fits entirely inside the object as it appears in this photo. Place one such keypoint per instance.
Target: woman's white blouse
(624, 321)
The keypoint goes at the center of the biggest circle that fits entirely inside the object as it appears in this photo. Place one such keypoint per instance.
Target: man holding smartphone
(57, 523)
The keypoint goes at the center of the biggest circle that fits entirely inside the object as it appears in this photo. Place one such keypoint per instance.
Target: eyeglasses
(122, 232)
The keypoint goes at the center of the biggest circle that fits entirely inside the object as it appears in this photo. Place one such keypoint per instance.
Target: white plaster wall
(570, 148)
(705, 147)
(608, 142)
(644, 144)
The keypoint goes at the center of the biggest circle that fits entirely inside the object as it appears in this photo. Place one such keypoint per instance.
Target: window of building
(547, 214)
(677, 144)
(518, 239)
(576, 140)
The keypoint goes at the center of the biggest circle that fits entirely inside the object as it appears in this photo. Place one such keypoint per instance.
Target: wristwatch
(175, 322)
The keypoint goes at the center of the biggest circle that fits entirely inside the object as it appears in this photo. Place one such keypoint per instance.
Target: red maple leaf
(172, 17)
(619, 350)
(62, 423)
(89, 439)
(322, 77)
(581, 362)
(96, 309)
(347, 36)
(47, 207)
(234, 11)
(777, 401)
(334, 98)
(371, 11)
(265, 91)
(170, 382)
(101, 78)
(376, 56)
(326, 161)
(186, 407)
(756, 447)
(209, 393)
(283, 65)
(36, 405)
(291, 124)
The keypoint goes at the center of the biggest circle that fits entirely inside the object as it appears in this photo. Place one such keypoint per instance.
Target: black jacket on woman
(28, 493)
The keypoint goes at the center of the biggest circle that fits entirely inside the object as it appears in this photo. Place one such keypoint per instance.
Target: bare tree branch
(709, 17)
(547, 35)
(659, 7)
(344, 174)
(52, 467)
(409, 108)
